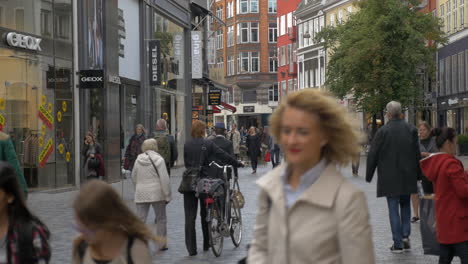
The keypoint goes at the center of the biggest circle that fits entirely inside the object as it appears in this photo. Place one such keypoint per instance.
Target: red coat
(451, 196)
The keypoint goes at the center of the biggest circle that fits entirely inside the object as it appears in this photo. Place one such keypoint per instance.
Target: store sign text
(45, 153)
(46, 117)
(155, 59)
(23, 41)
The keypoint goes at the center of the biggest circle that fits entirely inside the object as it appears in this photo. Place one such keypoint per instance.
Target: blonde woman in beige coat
(307, 211)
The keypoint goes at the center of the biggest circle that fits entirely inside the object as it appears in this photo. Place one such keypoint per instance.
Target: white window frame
(219, 39)
(290, 22)
(272, 6)
(350, 10)
(283, 89)
(230, 65)
(247, 32)
(220, 63)
(442, 15)
(332, 20)
(340, 16)
(251, 66)
(272, 61)
(282, 25)
(230, 36)
(251, 30)
(246, 2)
(449, 11)
(272, 33)
(301, 35)
(272, 90)
(283, 55)
(306, 30)
(455, 20)
(462, 14)
(250, 6)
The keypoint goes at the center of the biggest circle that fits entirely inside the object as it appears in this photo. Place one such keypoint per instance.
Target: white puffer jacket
(148, 186)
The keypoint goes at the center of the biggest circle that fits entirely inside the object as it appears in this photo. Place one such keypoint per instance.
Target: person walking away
(25, 238)
(395, 153)
(166, 144)
(235, 137)
(450, 181)
(199, 152)
(8, 154)
(92, 153)
(253, 148)
(223, 143)
(134, 147)
(274, 152)
(427, 145)
(152, 187)
(265, 142)
(109, 231)
(307, 211)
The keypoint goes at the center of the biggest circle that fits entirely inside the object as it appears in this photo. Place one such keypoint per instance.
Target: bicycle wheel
(216, 238)
(236, 224)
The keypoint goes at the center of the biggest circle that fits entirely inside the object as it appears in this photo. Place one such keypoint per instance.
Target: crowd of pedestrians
(305, 204)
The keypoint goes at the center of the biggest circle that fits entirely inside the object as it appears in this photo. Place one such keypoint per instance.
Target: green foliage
(463, 139)
(376, 53)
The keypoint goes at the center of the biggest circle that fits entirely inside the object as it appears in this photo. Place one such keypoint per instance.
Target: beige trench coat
(328, 224)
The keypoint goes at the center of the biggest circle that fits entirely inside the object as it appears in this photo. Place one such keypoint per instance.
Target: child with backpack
(109, 231)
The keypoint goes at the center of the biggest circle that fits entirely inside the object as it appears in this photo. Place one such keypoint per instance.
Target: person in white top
(152, 186)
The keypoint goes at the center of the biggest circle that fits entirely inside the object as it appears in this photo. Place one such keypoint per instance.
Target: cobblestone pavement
(55, 210)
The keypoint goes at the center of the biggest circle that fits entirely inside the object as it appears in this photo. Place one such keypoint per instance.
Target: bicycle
(228, 223)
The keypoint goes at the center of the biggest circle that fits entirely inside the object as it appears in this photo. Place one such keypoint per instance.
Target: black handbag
(192, 176)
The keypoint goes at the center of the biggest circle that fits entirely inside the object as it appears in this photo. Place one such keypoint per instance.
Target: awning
(224, 106)
(197, 7)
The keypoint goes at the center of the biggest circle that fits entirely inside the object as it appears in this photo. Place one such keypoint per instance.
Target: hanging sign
(64, 106)
(68, 156)
(214, 97)
(45, 153)
(2, 103)
(154, 47)
(46, 117)
(59, 116)
(2, 122)
(91, 79)
(197, 56)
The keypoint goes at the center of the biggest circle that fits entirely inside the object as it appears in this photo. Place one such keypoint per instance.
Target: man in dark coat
(395, 153)
(222, 142)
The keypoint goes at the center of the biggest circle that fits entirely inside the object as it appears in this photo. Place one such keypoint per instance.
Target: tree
(376, 53)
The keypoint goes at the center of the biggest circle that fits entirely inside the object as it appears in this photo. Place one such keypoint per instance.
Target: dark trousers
(400, 223)
(254, 162)
(275, 157)
(190, 209)
(168, 167)
(447, 252)
(355, 165)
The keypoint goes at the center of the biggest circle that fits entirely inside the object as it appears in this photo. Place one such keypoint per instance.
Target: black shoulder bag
(191, 176)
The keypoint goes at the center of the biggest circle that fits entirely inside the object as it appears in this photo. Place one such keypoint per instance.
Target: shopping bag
(428, 227)
(267, 156)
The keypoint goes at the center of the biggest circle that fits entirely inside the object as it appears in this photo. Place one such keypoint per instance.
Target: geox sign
(91, 79)
(23, 41)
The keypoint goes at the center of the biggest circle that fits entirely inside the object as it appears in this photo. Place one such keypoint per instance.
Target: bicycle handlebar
(219, 166)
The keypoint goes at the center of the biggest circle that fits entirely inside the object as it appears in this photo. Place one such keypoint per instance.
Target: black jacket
(224, 144)
(395, 153)
(193, 154)
(253, 145)
(174, 153)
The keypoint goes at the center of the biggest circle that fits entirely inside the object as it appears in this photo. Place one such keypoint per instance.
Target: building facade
(243, 49)
(311, 54)
(287, 49)
(36, 91)
(452, 61)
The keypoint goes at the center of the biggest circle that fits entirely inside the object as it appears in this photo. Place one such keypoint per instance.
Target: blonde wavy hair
(343, 136)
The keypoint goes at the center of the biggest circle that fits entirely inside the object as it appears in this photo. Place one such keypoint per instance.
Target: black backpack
(83, 245)
(94, 163)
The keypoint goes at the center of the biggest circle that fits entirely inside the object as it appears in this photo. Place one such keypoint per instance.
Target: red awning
(216, 110)
(228, 107)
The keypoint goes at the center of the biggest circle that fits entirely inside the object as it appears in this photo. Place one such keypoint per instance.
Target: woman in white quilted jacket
(152, 187)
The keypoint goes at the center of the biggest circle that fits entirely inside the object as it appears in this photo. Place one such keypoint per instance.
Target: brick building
(243, 57)
(287, 46)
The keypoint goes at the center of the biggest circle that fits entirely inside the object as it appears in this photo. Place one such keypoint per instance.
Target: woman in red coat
(451, 196)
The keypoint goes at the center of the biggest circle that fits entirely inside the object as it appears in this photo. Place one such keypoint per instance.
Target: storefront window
(169, 96)
(36, 95)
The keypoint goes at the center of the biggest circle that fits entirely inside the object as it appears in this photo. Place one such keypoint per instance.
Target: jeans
(401, 225)
(275, 157)
(447, 252)
(160, 215)
(191, 208)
